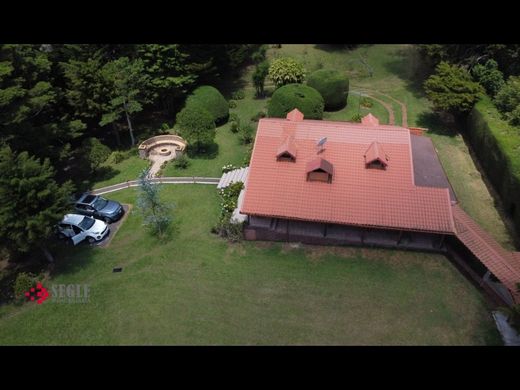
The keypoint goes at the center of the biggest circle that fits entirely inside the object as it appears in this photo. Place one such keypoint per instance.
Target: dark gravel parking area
(114, 227)
(427, 168)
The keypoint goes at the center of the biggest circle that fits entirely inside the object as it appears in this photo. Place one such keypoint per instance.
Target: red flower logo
(39, 292)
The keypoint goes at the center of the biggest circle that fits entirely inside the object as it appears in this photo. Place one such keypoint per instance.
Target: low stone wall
(158, 140)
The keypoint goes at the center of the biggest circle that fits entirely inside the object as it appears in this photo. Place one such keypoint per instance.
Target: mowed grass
(195, 288)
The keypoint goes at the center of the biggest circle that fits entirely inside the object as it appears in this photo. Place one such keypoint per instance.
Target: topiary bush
(232, 104)
(291, 96)
(212, 100)
(238, 95)
(333, 87)
(196, 126)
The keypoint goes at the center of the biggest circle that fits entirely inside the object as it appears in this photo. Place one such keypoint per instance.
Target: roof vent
(375, 156)
(287, 150)
(370, 120)
(295, 115)
(319, 169)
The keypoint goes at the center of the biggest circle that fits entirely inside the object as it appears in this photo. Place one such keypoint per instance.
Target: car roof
(73, 218)
(87, 198)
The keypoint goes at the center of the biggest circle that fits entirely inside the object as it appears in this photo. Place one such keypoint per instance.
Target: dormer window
(375, 157)
(320, 169)
(287, 150)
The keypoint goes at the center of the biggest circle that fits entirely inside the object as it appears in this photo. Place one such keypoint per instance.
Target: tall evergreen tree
(31, 201)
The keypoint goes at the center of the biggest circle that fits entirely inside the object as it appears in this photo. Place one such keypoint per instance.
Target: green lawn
(197, 289)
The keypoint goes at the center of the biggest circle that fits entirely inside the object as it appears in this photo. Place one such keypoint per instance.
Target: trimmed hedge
(291, 96)
(497, 145)
(212, 100)
(333, 87)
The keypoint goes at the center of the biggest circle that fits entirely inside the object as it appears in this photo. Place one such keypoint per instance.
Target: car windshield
(100, 203)
(86, 223)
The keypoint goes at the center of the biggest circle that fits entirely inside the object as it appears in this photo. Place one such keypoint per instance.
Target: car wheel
(91, 240)
(108, 220)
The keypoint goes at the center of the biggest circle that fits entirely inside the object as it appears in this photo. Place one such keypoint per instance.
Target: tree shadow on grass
(206, 152)
(436, 124)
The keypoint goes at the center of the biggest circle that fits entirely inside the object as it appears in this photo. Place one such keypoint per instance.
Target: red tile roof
(505, 265)
(357, 196)
(375, 152)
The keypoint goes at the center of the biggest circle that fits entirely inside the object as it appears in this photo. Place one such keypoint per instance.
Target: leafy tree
(156, 213)
(286, 71)
(93, 153)
(169, 70)
(259, 76)
(87, 90)
(489, 76)
(196, 126)
(507, 100)
(128, 85)
(31, 202)
(291, 96)
(332, 85)
(451, 89)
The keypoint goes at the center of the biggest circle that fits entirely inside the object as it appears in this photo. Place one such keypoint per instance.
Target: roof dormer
(319, 169)
(287, 150)
(375, 156)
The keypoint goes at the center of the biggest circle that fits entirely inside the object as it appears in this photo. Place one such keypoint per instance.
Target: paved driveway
(114, 227)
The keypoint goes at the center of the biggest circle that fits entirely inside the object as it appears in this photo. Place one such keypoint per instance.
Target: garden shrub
(235, 126)
(23, 283)
(286, 70)
(332, 85)
(258, 116)
(229, 199)
(247, 134)
(508, 100)
(238, 95)
(212, 100)
(94, 152)
(356, 118)
(181, 162)
(118, 157)
(489, 76)
(233, 117)
(196, 125)
(496, 143)
(291, 96)
(232, 104)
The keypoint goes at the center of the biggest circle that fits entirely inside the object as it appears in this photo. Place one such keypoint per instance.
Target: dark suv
(99, 207)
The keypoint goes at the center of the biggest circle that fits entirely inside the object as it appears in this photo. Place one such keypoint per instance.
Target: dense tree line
(64, 107)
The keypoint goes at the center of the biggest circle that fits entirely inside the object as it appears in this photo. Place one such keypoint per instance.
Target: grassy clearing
(197, 289)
